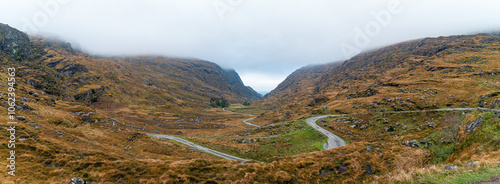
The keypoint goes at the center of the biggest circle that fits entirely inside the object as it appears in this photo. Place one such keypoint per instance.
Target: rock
(369, 170)
(411, 143)
(87, 115)
(324, 107)
(470, 164)
(353, 126)
(470, 127)
(20, 118)
(363, 127)
(389, 129)
(450, 167)
(324, 172)
(432, 125)
(483, 104)
(341, 168)
(369, 149)
(34, 94)
(77, 180)
(463, 104)
(410, 100)
(76, 113)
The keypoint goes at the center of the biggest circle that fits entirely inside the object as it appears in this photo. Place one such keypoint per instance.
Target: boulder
(470, 127)
(369, 170)
(412, 143)
(341, 168)
(77, 180)
(470, 164)
(482, 104)
(450, 167)
(20, 118)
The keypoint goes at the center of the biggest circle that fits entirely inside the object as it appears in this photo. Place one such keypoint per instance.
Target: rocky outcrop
(14, 42)
(470, 127)
(91, 95)
(412, 143)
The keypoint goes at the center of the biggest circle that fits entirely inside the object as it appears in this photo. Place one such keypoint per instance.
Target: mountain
(77, 76)
(74, 109)
(430, 73)
(301, 83)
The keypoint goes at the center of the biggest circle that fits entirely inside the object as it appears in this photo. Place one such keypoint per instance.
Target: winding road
(198, 147)
(333, 140)
(244, 121)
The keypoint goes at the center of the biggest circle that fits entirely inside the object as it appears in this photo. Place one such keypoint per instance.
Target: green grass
(301, 137)
(236, 107)
(487, 136)
(458, 176)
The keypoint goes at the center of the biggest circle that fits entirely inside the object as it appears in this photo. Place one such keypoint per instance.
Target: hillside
(302, 82)
(431, 73)
(75, 109)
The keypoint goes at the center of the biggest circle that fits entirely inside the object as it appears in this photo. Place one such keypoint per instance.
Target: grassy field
(268, 144)
(467, 175)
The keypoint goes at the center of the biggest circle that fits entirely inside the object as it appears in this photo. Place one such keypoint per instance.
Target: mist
(264, 41)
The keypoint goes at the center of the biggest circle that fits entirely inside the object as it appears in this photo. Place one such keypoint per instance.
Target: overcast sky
(263, 40)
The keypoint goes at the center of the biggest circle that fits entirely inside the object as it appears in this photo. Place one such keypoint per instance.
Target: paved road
(244, 121)
(333, 140)
(198, 147)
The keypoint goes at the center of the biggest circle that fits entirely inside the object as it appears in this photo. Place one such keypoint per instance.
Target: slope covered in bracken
(431, 73)
(81, 112)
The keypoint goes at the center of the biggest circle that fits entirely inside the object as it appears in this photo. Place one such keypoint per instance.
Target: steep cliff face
(236, 85)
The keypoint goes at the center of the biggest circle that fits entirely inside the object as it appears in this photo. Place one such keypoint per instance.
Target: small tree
(246, 103)
(219, 102)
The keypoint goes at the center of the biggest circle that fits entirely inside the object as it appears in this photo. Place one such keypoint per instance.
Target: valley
(421, 111)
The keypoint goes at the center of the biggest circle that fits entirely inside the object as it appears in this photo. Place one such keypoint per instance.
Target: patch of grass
(458, 176)
(294, 138)
(485, 138)
(299, 141)
(439, 153)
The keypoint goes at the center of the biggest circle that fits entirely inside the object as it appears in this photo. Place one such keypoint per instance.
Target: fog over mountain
(264, 41)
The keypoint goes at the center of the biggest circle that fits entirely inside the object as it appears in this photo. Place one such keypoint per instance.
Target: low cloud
(263, 40)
